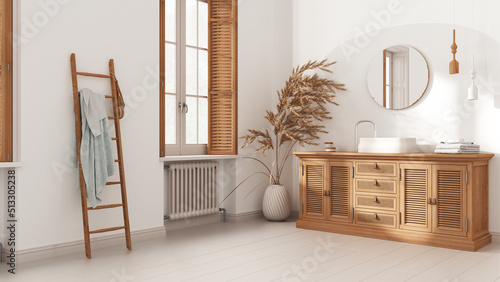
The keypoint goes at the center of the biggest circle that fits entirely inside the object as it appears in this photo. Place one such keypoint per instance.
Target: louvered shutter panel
(415, 190)
(450, 209)
(340, 183)
(5, 81)
(222, 78)
(313, 189)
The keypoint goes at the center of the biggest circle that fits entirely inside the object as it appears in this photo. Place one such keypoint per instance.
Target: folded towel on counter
(456, 151)
(457, 148)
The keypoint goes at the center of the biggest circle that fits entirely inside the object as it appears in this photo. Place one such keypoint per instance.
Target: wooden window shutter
(162, 78)
(6, 81)
(222, 77)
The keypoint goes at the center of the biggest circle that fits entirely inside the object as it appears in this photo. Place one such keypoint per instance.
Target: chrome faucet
(356, 129)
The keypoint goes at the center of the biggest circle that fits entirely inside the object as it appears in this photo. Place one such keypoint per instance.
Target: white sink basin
(387, 145)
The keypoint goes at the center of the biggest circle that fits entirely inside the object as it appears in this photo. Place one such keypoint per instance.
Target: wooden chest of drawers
(432, 199)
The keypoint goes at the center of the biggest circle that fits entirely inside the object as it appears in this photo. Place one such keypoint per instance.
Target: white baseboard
(244, 216)
(67, 248)
(171, 225)
(294, 215)
(495, 237)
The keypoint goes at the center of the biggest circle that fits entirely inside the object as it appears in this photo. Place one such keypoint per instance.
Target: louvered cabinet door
(415, 190)
(313, 187)
(339, 184)
(449, 211)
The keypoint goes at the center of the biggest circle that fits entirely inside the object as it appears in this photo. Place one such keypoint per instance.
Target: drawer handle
(375, 183)
(375, 166)
(376, 200)
(376, 217)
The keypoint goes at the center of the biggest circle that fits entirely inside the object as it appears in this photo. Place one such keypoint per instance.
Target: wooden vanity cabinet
(433, 199)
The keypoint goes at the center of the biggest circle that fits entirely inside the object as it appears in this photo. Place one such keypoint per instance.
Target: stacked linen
(457, 148)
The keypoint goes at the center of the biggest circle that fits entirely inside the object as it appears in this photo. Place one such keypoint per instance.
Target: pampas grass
(296, 120)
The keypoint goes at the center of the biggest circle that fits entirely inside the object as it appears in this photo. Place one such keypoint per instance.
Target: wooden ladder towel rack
(117, 138)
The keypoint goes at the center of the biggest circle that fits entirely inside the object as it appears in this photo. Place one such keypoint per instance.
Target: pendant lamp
(472, 91)
(454, 65)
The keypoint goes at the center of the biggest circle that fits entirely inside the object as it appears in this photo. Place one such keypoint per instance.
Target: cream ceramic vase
(276, 203)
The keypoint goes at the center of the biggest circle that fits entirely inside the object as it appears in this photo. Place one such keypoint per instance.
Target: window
(198, 67)
(6, 81)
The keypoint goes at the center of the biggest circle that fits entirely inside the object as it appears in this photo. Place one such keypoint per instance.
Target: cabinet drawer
(376, 168)
(376, 186)
(376, 202)
(376, 219)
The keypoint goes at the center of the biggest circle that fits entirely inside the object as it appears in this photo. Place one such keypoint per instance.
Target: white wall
(264, 59)
(335, 29)
(49, 209)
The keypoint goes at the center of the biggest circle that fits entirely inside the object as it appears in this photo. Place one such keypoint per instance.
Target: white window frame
(181, 147)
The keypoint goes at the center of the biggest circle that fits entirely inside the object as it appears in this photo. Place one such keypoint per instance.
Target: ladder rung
(106, 229)
(113, 182)
(108, 96)
(105, 207)
(93, 74)
(111, 117)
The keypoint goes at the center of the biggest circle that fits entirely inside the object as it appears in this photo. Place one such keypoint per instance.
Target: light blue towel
(96, 152)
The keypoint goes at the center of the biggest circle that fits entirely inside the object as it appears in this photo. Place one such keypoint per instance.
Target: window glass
(191, 71)
(203, 73)
(202, 121)
(191, 22)
(170, 119)
(170, 19)
(202, 24)
(170, 73)
(192, 120)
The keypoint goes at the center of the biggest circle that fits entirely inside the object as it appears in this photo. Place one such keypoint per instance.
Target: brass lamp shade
(454, 65)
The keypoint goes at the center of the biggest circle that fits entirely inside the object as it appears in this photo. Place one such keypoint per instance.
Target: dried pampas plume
(300, 109)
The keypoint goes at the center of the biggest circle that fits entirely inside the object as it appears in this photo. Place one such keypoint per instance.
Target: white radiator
(192, 189)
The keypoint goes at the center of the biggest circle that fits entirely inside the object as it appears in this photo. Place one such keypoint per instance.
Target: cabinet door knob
(376, 200)
(431, 201)
(326, 193)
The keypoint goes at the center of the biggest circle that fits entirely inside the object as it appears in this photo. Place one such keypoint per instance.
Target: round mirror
(398, 77)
